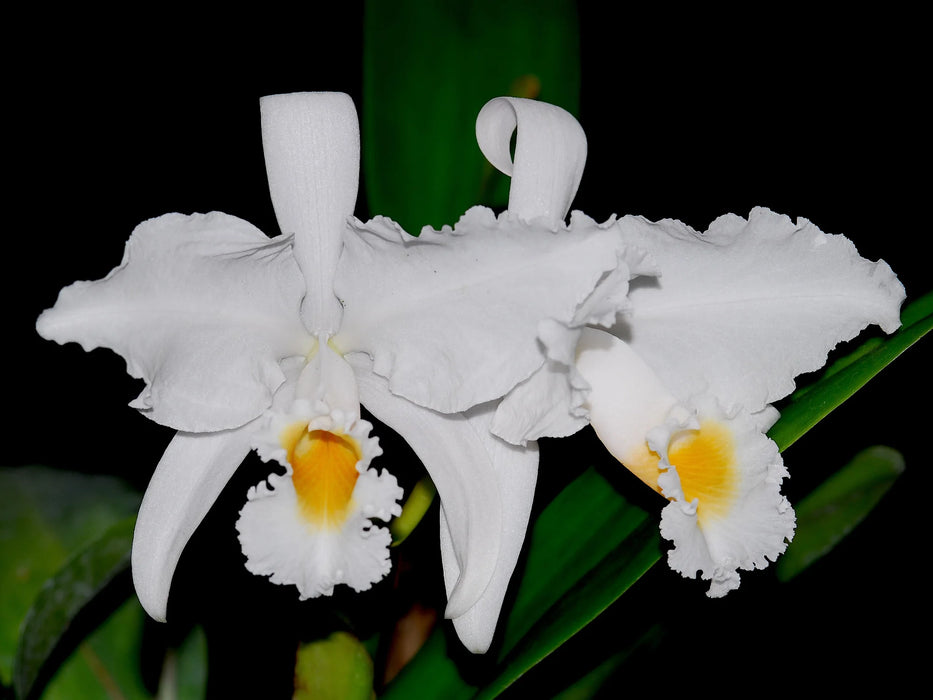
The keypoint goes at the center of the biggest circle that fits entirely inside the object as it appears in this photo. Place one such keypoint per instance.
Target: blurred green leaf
(419, 500)
(45, 516)
(428, 68)
(590, 683)
(336, 668)
(839, 381)
(828, 514)
(585, 549)
(184, 671)
(65, 595)
(106, 664)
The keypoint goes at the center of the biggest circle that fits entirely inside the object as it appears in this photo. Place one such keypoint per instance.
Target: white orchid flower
(680, 389)
(247, 342)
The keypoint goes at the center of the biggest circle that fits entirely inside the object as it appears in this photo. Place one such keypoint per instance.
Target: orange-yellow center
(705, 463)
(324, 473)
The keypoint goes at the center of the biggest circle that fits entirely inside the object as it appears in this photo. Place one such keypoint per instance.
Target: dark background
(686, 117)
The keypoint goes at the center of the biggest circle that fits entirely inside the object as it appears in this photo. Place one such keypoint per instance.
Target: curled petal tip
(550, 152)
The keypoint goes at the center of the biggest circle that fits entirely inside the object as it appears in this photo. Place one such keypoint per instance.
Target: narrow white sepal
(516, 475)
(550, 153)
(454, 451)
(189, 478)
(311, 143)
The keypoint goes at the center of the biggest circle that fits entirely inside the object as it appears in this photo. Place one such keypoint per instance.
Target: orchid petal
(189, 478)
(516, 474)
(550, 152)
(456, 453)
(202, 308)
(311, 143)
(743, 308)
(550, 402)
(452, 318)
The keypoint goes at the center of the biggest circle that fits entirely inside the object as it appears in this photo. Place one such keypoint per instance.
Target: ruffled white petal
(280, 543)
(189, 478)
(202, 308)
(756, 527)
(743, 308)
(452, 318)
(516, 475)
(550, 402)
(311, 143)
(550, 152)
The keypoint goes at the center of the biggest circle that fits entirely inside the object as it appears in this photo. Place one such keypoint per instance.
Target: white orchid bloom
(679, 390)
(247, 342)
(737, 313)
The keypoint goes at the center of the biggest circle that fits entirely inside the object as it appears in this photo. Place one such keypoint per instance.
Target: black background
(111, 122)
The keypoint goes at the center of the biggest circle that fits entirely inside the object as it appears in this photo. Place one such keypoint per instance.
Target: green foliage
(586, 548)
(106, 663)
(69, 626)
(65, 595)
(336, 668)
(428, 68)
(45, 516)
(830, 512)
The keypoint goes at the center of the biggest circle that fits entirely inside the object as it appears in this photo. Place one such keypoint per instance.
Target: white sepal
(189, 478)
(455, 453)
(550, 152)
(311, 143)
(516, 475)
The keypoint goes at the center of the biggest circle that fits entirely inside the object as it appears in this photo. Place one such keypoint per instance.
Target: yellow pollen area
(643, 463)
(705, 463)
(324, 473)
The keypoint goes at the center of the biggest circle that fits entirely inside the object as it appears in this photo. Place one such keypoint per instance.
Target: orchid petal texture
(682, 386)
(676, 363)
(249, 342)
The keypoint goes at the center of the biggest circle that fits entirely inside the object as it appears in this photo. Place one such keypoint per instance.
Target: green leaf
(590, 595)
(106, 664)
(336, 668)
(45, 516)
(65, 595)
(828, 514)
(419, 500)
(184, 670)
(810, 405)
(585, 549)
(428, 68)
